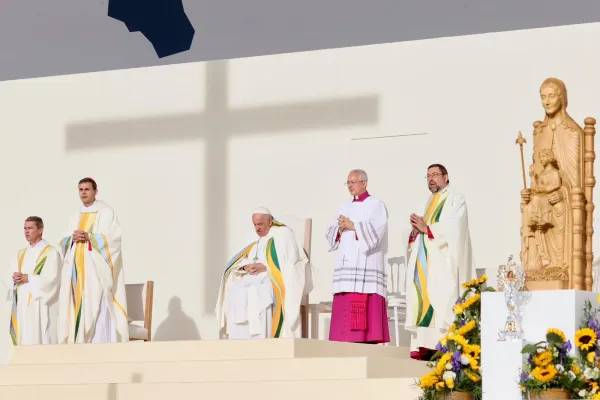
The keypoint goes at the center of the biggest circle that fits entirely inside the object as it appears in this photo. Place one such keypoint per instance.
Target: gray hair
(362, 174)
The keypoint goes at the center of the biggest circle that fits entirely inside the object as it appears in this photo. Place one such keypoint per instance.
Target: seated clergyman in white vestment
(439, 261)
(92, 304)
(263, 285)
(32, 284)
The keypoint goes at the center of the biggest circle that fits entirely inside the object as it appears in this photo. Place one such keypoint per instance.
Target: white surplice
(35, 309)
(449, 264)
(245, 304)
(360, 263)
(93, 309)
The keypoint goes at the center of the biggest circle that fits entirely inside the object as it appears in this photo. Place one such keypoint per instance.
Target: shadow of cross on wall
(215, 125)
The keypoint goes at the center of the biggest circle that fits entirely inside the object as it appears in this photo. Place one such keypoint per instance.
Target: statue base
(536, 312)
(533, 286)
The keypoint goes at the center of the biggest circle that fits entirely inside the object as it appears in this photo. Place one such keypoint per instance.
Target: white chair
(140, 297)
(302, 228)
(396, 298)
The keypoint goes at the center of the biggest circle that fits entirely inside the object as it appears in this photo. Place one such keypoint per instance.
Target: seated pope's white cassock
(92, 303)
(439, 261)
(265, 305)
(32, 311)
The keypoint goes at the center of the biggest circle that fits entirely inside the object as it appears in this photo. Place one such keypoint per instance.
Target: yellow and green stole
(274, 271)
(425, 313)
(39, 266)
(86, 224)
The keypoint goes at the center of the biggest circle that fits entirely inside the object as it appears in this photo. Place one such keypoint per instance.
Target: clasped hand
(418, 224)
(344, 224)
(255, 269)
(19, 278)
(80, 236)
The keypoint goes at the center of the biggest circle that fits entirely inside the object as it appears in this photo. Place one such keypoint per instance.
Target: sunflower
(470, 301)
(441, 366)
(440, 386)
(542, 359)
(459, 340)
(475, 282)
(469, 326)
(544, 374)
(429, 380)
(471, 375)
(474, 350)
(458, 309)
(472, 362)
(452, 328)
(585, 338)
(557, 332)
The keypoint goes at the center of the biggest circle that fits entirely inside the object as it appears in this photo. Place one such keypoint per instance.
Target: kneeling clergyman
(439, 261)
(92, 303)
(359, 235)
(263, 285)
(33, 281)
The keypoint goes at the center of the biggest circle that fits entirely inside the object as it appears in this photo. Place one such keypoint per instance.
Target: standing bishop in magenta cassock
(263, 285)
(359, 236)
(92, 304)
(439, 261)
(32, 282)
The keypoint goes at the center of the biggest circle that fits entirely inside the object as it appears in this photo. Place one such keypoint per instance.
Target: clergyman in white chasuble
(92, 304)
(32, 284)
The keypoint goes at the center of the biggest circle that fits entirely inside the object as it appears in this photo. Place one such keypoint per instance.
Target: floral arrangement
(456, 365)
(549, 365)
(586, 342)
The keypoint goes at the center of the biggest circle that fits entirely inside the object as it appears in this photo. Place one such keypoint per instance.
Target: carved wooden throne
(557, 210)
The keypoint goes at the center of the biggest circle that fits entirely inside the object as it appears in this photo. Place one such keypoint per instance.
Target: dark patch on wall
(163, 22)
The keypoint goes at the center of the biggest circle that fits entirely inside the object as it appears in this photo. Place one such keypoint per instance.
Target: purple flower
(455, 361)
(441, 348)
(458, 301)
(524, 377)
(595, 325)
(567, 346)
(463, 322)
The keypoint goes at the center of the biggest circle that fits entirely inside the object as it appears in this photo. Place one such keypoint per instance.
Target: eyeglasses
(434, 175)
(348, 183)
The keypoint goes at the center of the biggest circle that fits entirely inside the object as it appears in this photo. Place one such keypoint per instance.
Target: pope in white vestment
(440, 259)
(263, 285)
(92, 303)
(32, 285)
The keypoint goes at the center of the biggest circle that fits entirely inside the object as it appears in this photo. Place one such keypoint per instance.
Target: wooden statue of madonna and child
(557, 209)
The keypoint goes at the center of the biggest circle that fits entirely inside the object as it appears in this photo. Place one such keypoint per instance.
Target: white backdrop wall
(185, 152)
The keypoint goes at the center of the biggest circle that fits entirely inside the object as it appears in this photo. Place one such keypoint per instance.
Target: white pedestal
(538, 311)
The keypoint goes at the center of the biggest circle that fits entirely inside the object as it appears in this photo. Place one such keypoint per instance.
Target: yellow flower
(575, 369)
(459, 340)
(591, 356)
(523, 389)
(429, 380)
(474, 350)
(469, 326)
(471, 375)
(543, 358)
(585, 338)
(452, 328)
(544, 374)
(558, 333)
(439, 386)
(450, 383)
(471, 300)
(475, 282)
(594, 386)
(472, 362)
(441, 366)
(443, 341)
(596, 396)
(598, 299)
(458, 309)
